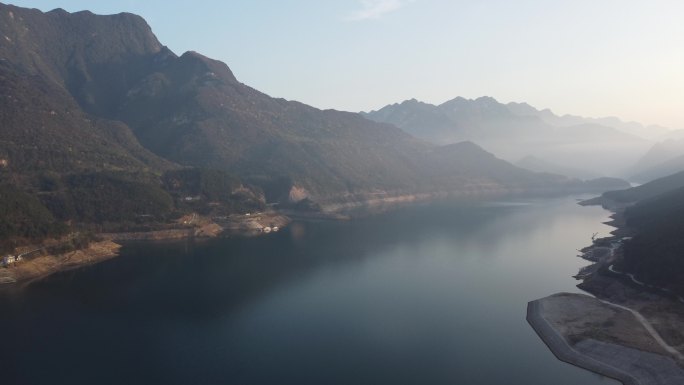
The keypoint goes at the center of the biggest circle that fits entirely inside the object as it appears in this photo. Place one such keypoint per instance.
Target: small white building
(8, 260)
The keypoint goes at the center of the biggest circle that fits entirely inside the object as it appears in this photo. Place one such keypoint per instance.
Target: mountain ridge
(652, 214)
(193, 111)
(101, 112)
(516, 130)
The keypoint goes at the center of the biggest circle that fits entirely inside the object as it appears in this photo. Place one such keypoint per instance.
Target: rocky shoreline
(606, 343)
(623, 351)
(198, 227)
(44, 265)
(40, 266)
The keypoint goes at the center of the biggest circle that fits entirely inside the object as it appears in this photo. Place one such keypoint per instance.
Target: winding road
(649, 328)
(646, 324)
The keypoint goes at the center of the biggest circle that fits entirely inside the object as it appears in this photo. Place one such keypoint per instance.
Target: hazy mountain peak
(408, 102)
(456, 100)
(487, 99)
(514, 130)
(58, 11)
(480, 101)
(524, 109)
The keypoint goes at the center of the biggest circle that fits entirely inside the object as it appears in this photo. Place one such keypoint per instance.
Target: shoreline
(659, 315)
(36, 268)
(193, 226)
(564, 352)
(629, 359)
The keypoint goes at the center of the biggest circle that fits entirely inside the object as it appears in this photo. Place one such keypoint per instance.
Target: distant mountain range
(100, 92)
(516, 131)
(651, 132)
(97, 114)
(664, 158)
(540, 165)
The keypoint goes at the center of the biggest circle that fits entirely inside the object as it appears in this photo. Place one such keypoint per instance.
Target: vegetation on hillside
(656, 251)
(23, 217)
(203, 190)
(108, 197)
(105, 128)
(52, 204)
(647, 191)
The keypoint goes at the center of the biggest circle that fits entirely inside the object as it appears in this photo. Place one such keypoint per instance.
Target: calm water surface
(432, 294)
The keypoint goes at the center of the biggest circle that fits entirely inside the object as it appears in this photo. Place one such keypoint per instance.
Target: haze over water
(431, 294)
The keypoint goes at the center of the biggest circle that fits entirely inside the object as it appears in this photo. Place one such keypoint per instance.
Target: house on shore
(9, 260)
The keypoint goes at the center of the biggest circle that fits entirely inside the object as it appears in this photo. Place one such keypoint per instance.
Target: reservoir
(428, 294)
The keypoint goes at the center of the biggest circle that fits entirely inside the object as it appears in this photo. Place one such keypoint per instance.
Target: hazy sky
(592, 58)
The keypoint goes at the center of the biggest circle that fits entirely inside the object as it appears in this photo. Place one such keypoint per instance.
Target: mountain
(592, 181)
(662, 159)
(668, 167)
(654, 214)
(516, 130)
(62, 159)
(106, 129)
(45, 129)
(643, 192)
(656, 251)
(191, 110)
(659, 153)
(534, 163)
(606, 184)
(650, 132)
(456, 120)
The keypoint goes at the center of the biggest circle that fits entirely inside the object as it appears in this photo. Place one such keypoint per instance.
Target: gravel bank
(626, 364)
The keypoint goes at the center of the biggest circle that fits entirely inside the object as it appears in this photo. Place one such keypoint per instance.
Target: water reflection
(430, 294)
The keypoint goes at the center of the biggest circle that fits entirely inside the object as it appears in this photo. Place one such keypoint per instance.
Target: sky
(593, 58)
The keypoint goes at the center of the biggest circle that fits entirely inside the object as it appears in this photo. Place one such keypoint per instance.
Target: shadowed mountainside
(656, 252)
(654, 215)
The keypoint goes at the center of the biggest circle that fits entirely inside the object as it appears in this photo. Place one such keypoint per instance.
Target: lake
(427, 294)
